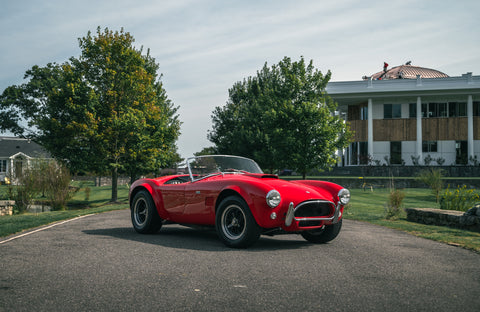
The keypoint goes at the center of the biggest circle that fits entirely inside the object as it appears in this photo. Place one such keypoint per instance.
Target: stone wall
(6, 207)
(400, 171)
(469, 220)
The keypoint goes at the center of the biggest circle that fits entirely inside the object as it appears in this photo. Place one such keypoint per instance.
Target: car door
(173, 196)
(200, 202)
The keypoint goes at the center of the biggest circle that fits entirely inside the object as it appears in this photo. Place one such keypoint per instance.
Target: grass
(368, 206)
(98, 195)
(17, 223)
(98, 202)
(365, 206)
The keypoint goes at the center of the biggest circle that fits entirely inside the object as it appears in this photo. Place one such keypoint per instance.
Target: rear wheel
(144, 215)
(235, 224)
(323, 235)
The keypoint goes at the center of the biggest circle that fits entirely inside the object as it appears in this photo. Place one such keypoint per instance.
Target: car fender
(151, 186)
(253, 196)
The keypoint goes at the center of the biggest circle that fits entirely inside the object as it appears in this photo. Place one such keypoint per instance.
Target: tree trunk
(133, 177)
(114, 184)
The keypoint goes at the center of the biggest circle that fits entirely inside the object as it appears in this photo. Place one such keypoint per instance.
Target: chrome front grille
(314, 210)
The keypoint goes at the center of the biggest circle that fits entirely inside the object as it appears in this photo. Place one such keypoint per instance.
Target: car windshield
(203, 166)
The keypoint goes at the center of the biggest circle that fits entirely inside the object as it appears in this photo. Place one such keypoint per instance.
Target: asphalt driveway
(98, 263)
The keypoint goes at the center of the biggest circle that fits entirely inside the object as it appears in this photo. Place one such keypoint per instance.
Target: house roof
(10, 146)
(407, 72)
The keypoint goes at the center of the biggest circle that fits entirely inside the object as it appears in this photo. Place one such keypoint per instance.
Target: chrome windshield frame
(219, 171)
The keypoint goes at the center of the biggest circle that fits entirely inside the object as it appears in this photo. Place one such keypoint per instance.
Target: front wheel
(323, 235)
(235, 224)
(144, 215)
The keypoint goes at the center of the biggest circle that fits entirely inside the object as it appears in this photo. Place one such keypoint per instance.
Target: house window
(437, 110)
(476, 108)
(424, 110)
(442, 110)
(461, 151)
(412, 110)
(3, 166)
(456, 109)
(353, 152)
(429, 146)
(363, 153)
(392, 111)
(364, 113)
(396, 153)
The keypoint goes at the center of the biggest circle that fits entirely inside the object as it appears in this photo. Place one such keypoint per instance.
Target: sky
(204, 47)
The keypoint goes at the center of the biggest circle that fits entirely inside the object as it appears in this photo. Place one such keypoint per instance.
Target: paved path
(98, 263)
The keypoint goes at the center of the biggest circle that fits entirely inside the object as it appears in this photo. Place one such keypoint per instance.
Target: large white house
(16, 154)
(411, 115)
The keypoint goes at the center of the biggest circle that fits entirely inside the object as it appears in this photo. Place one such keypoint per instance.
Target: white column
(470, 127)
(419, 130)
(370, 127)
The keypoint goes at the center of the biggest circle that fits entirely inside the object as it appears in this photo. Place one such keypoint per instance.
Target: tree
(282, 117)
(106, 111)
(206, 151)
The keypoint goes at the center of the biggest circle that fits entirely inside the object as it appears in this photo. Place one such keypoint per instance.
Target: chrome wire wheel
(145, 218)
(140, 212)
(233, 222)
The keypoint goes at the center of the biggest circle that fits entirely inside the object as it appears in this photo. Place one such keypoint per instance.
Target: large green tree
(282, 117)
(105, 111)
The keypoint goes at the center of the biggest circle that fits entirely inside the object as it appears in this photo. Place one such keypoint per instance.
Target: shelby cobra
(234, 196)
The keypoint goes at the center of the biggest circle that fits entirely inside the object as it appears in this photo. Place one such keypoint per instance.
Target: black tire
(235, 224)
(323, 235)
(144, 215)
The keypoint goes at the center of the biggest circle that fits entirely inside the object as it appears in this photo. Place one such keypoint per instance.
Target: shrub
(460, 199)
(415, 160)
(57, 185)
(25, 191)
(87, 193)
(45, 178)
(440, 161)
(427, 160)
(393, 207)
(433, 178)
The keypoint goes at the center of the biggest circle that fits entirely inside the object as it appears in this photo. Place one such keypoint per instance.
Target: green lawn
(369, 206)
(98, 202)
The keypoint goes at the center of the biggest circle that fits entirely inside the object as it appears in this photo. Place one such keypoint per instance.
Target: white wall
(408, 150)
(381, 149)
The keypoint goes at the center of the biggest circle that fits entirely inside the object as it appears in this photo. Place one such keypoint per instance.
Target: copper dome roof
(407, 71)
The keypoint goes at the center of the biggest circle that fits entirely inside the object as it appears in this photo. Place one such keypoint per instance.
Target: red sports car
(234, 196)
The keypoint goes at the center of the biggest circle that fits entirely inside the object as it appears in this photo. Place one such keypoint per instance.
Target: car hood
(295, 191)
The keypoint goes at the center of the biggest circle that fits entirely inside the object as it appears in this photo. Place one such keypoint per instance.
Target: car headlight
(273, 198)
(344, 196)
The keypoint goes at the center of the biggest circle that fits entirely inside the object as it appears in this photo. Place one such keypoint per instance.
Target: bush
(427, 160)
(87, 193)
(44, 178)
(24, 193)
(433, 178)
(393, 207)
(56, 179)
(460, 199)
